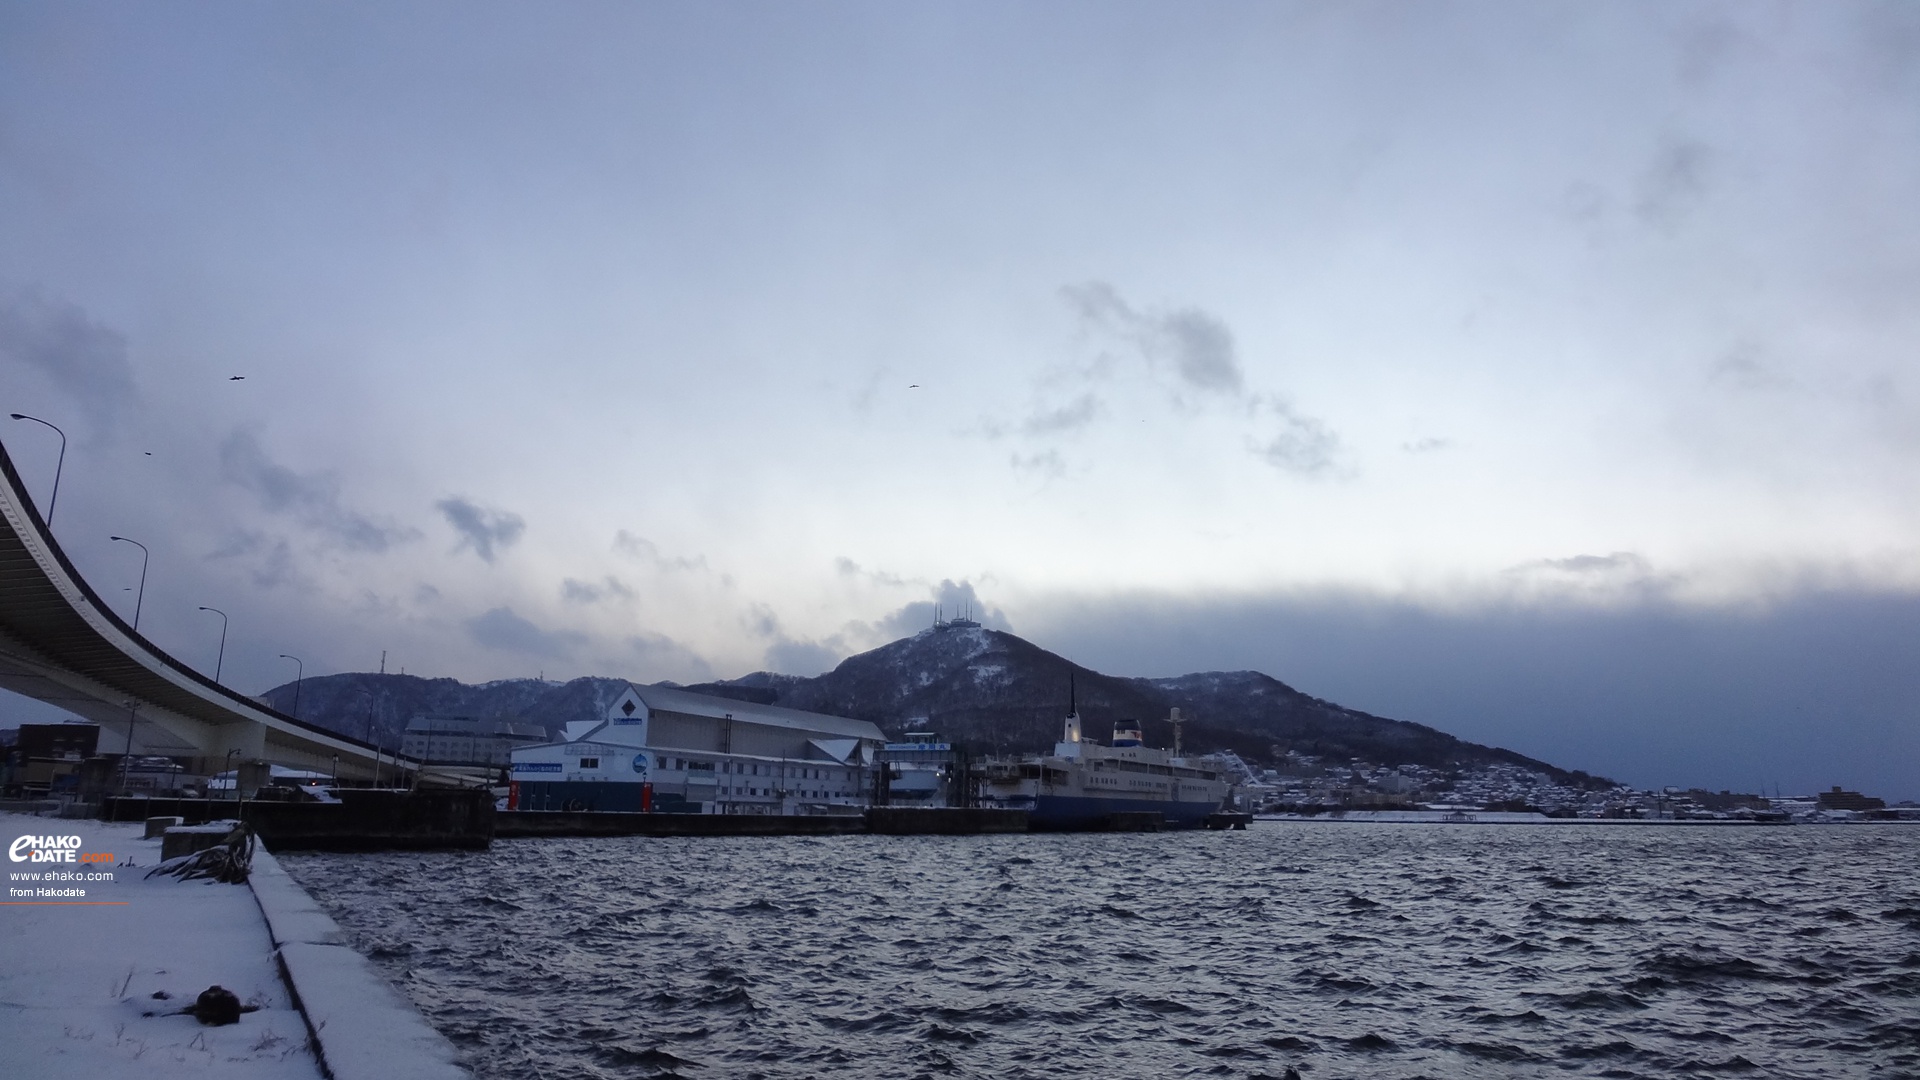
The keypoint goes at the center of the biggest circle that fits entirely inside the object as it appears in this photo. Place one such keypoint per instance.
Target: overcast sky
(1543, 372)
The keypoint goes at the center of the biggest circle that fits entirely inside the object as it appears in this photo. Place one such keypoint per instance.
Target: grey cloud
(1098, 302)
(1047, 463)
(1303, 444)
(485, 531)
(645, 550)
(312, 498)
(1077, 413)
(1620, 575)
(1889, 36)
(848, 568)
(502, 629)
(276, 568)
(84, 359)
(761, 621)
(586, 592)
(869, 391)
(1742, 368)
(1705, 48)
(1619, 561)
(1674, 183)
(1202, 347)
(950, 599)
(658, 654)
(1584, 203)
(789, 657)
(1197, 344)
(267, 561)
(1426, 445)
(1814, 688)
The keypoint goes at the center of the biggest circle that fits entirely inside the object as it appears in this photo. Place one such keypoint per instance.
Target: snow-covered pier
(97, 962)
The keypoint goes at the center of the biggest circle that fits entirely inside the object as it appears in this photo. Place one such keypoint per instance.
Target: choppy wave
(1334, 950)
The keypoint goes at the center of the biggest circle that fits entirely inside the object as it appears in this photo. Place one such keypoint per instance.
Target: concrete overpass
(61, 644)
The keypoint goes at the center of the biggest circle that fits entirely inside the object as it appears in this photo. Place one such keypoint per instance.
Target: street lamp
(60, 465)
(141, 596)
(236, 776)
(376, 767)
(126, 759)
(368, 694)
(298, 674)
(222, 658)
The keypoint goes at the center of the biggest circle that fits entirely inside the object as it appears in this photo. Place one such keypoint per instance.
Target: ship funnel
(1072, 733)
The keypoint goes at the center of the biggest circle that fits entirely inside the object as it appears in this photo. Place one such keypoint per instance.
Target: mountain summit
(1001, 693)
(987, 688)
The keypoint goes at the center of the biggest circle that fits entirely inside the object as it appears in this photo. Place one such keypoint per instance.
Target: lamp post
(222, 658)
(299, 673)
(57, 468)
(236, 776)
(126, 759)
(140, 597)
(369, 696)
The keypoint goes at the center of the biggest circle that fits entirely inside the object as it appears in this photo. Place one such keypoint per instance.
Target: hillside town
(1307, 786)
(63, 762)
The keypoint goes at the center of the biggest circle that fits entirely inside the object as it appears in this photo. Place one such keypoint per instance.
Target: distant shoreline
(1415, 817)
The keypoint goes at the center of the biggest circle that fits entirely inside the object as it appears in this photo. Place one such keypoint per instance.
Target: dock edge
(361, 1026)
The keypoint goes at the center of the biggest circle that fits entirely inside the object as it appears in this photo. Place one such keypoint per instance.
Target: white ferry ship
(1083, 783)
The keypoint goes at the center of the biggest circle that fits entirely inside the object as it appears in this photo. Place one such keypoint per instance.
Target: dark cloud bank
(1814, 690)
(484, 530)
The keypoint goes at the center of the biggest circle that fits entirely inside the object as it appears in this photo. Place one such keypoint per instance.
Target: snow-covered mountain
(990, 689)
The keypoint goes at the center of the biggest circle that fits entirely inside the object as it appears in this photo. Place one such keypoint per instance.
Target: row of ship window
(749, 769)
(741, 768)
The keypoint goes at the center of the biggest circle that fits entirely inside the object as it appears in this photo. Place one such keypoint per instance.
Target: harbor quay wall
(359, 1026)
(526, 823)
(944, 820)
(881, 820)
(362, 820)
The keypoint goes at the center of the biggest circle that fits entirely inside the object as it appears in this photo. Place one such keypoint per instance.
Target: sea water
(1336, 950)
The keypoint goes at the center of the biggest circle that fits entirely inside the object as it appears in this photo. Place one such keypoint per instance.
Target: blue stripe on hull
(1083, 812)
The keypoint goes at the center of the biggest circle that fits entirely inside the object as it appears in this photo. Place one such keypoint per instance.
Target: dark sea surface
(1339, 950)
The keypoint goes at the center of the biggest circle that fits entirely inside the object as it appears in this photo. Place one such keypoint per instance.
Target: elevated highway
(59, 643)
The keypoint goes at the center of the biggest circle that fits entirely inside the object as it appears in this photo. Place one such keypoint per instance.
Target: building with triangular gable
(670, 751)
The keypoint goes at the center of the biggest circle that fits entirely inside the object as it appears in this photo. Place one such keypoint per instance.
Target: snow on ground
(77, 982)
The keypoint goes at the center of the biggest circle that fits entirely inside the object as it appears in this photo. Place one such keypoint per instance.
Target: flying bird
(235, 378)
(913, 386)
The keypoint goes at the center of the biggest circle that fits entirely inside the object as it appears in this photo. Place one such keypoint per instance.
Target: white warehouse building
(670, 751)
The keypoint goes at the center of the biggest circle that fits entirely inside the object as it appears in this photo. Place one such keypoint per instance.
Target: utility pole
(126, 759)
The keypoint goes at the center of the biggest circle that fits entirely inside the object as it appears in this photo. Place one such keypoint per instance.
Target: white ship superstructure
(1083, 783)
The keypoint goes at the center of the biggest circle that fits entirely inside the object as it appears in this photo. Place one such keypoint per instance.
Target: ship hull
(1071, 812)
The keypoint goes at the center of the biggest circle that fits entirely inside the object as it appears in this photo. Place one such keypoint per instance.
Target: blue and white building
(671, 751)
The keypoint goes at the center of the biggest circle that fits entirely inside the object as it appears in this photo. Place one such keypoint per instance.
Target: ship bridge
(59, 643)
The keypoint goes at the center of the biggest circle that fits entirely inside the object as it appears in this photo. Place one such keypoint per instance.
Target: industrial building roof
(662, 699)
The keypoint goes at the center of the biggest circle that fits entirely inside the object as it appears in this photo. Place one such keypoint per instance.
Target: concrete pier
(362, 820)
(361, 1027)
(95, 977)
